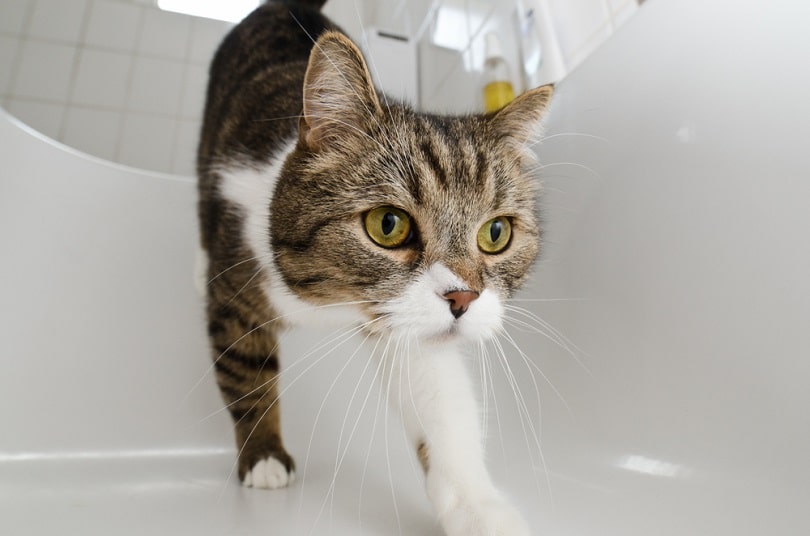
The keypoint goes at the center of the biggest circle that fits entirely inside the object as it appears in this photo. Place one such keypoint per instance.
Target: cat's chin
(455, 333)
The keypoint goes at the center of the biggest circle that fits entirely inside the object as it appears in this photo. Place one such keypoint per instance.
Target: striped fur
(296, 147)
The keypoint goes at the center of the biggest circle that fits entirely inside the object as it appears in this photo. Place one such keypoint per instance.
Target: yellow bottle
(498, 91)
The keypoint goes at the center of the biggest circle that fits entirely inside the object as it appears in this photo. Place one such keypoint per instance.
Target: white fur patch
(268, 473)
(252, 189)
(422, 312)
(433, 393)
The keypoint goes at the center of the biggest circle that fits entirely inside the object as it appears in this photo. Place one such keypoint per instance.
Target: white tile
(165, 34)
(575, 21)
(102, 78)
(13, 18)
(147, 142)
(113, 25)
(44, 117)
(44, 71)
(58, 20)
(185, 149)
(206, 35)
(156, 86)
(194, 87)
(93, 131)
(8, 53)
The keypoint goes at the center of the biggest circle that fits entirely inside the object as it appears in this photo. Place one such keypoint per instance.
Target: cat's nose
(460, 300)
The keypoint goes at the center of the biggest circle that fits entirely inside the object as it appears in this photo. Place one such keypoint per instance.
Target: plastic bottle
(498, 91)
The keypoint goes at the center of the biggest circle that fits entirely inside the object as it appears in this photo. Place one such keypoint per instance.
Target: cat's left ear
(519, 122)
(339, 96)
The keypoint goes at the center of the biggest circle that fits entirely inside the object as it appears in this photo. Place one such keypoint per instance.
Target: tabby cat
(319, 194)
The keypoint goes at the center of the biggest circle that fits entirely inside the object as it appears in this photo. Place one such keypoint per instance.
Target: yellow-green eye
(494, 235)
(388, 227)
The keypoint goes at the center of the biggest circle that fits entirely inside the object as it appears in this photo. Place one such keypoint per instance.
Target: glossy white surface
(677, 239)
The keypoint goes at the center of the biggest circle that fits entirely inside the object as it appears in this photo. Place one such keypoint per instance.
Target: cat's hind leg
(247, 371)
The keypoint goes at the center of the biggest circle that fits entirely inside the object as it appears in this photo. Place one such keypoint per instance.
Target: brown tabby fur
(356, 150)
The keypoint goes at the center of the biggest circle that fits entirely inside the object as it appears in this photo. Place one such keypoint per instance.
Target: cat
(317, 193)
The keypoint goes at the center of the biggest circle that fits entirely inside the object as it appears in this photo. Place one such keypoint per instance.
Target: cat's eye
(388, 227)
(494, 235)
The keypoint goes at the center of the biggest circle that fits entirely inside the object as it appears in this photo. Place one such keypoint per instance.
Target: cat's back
(255, 82)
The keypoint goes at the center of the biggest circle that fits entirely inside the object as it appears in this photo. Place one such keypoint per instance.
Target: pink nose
(460, 300)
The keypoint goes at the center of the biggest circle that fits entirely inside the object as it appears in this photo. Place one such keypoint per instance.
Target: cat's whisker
(323, 405)
(362, 411)
(577, 134)
(329, 497)
(380, 399)
(566, 343)
(537, 369)
(540, 167)
(341, 456)
(488, 363)
(263, 325)
(235, 265)
(387, 444)
(292, 382)
(545, 300)
(333, 344)
(410, 387)
(280, 118)
(245, 285)
(524, 413)
(405, 362)
(352, 127)
(484, 392)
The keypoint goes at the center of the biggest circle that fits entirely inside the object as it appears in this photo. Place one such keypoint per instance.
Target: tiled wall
(119, 79)
(125, 81)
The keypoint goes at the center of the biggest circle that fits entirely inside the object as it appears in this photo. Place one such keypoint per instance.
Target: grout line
(130, 79)
(103, 48)
(74, 71)
(181, 99)
(21, 47)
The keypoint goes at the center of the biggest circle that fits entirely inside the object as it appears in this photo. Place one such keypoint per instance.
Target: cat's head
(430, 221)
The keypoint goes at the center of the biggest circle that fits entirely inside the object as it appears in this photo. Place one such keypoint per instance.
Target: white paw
(268, 473)
(493, 517)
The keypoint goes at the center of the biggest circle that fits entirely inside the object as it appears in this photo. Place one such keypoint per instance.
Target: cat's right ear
(339, 95)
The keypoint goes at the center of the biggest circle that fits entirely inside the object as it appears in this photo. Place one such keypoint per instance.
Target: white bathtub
(677, 260)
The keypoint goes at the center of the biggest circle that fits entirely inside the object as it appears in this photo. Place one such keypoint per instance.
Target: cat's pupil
(495, 230)
(389, 221)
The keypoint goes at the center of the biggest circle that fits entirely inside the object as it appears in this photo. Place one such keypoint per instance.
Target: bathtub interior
(675, 266)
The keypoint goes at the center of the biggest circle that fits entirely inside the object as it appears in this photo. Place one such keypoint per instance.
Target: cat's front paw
(492, 517)
(269, 473)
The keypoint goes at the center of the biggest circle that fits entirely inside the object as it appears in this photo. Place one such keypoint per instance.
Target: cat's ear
(339, 95)
(519, 122)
